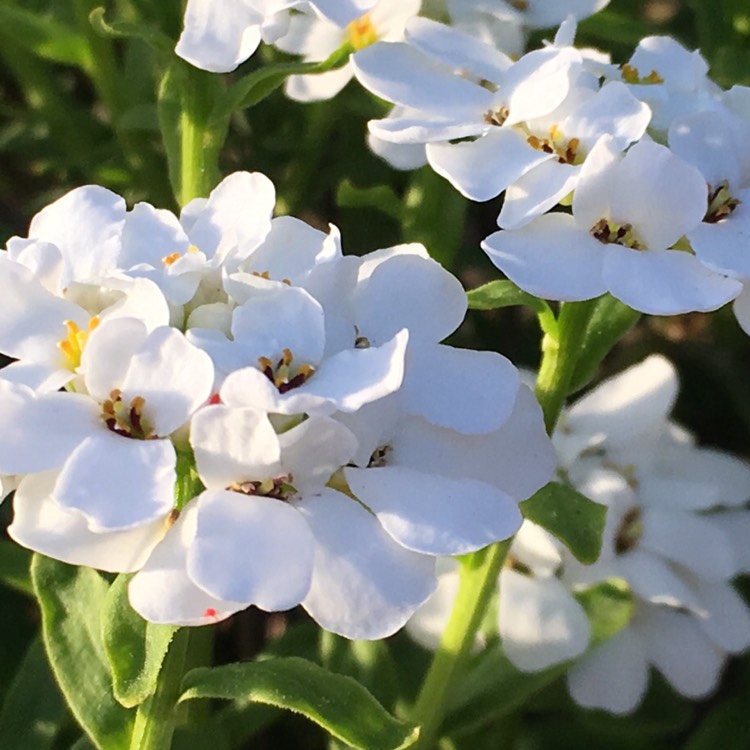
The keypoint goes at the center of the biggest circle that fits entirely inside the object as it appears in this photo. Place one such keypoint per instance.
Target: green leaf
(256, 86)
(135, 648)
(381, 197)
(14, 567)
(504, 293)
(128, 30)
(609, 606)
(33, 711)
(71, 601)
(570, 516)
(609, 322)
(337, 703)
(44, 37)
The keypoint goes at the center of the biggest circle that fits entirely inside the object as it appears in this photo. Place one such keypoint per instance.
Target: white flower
(675, 555)
(455, 87)
(371, 298)
(47, 333)
(670, 79)
(110, 444)
(315, 38)
(616, 240)
(212, 234)
(220, 34)
(277, 359)
(267, 531)
(76, 238)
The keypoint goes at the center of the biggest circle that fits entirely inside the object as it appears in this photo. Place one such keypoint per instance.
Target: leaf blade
(337, 703)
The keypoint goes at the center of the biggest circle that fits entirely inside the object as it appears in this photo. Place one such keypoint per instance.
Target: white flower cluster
(226, 404)
(661, 227)
(676, 533)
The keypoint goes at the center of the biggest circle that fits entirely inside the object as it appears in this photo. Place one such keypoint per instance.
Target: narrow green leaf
(380, 197)
(609, 322)
(504, 293)
(14, 567)
(337, 703)
(256, 86)
(44, 37)
(71, 601)
(570, 516)
(128, 30)
(135, 648)
(609, 606)
(33, 711)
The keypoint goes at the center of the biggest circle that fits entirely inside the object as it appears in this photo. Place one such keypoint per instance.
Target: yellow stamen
(168, 260)
(72, 346)
(362, 33)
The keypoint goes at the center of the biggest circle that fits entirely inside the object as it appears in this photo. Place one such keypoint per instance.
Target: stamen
(126, 420)
(630, 531)
(379, 457)
(630, 74)
(72, 346)
(497, 117)
(285, 375)
(362, 32)
(720, 203)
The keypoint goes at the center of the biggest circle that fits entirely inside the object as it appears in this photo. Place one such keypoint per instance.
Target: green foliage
(570, 517)
(337, 703)
(135, 648)
(609, 322)
(71, 601)
(504, 293)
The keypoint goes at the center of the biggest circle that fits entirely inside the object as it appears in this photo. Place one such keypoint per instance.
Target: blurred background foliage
(78, 107)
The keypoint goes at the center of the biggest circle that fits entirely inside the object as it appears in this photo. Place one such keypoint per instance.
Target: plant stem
(560, 357)
(479, 574)
(199, 141)
(156, 718)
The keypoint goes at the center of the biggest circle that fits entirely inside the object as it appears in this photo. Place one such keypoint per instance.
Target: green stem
(156, 718)
(479, 573)
(200, 143)
(560, 357)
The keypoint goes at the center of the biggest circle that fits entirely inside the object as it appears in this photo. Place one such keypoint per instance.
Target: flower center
(267, 276)
(361, 32)
(126, 419)
(277, 488)
(72, 346)
(720, 203)
(286, 375)
(609, 233)
(565, 150)
(630, 530)
(630, 74)
(379, 457)
(497, 116)
(172, 258)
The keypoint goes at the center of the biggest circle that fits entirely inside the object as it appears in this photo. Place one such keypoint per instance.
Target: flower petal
(465, 390)
(590, 680)
(364, 585)
(234, 445)
(540, 622)
(118, 483)
(163, 593)
(42, 525)
(251, 549)
(433, 514)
